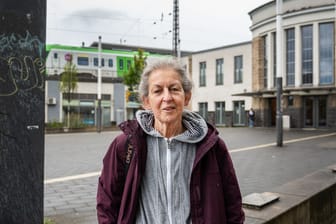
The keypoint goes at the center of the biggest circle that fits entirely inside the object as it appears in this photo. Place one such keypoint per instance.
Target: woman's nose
(166, 95)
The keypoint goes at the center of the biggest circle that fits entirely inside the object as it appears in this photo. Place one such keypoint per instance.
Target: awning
(303, 91)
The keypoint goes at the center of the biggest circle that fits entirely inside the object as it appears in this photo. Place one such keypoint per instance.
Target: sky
(148, 23)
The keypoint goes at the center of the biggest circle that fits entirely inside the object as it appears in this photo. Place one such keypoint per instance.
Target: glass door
(239, 113)
(322, 111)
(309, 111)
(315, 111)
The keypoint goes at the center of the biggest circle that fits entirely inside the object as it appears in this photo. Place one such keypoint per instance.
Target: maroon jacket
(214, 191)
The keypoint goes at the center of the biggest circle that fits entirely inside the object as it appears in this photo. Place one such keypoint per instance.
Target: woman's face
(166, 97)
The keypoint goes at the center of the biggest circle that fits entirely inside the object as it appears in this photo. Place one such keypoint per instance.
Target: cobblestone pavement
(73, 162)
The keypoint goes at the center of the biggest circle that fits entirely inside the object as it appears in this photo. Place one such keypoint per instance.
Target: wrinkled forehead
(164, 74)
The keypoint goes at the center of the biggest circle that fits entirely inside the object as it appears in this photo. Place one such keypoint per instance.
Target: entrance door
(315, 111)
(273, 109)
(239, 113)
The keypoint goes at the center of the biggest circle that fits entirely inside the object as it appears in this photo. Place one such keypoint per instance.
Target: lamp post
(176, 31)
(68, 58)
(99, 109)
(279, 72)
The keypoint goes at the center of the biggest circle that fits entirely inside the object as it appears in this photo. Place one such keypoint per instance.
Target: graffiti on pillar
(18, 69)
(22, 70)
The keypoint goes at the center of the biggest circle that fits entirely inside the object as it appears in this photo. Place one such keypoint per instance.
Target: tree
(132, 77)
(68, 82)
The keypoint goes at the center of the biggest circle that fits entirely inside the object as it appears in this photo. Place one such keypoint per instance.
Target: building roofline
(261, 6)
(222, 47)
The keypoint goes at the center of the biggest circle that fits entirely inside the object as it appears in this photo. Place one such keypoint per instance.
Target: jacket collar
(206, 144)
(132, 127)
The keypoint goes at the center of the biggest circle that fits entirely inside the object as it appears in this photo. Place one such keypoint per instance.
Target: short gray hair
(163, 64)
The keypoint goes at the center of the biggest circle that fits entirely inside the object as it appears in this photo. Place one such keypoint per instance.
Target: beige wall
(213, 93)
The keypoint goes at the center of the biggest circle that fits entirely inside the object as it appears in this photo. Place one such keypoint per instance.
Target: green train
(115, 61)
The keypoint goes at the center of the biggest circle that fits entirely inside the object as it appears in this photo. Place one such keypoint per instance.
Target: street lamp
(99, 109)
(68, 58)
(279, 72)
(176, 31)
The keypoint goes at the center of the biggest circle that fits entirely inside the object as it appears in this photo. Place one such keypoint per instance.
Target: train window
(95, 62)
(110, 62)
(129, 64)
(121, 64)
(83, 61)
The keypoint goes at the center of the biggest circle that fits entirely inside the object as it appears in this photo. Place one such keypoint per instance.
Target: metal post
(279, 64)
(99, 109)
(69, 92)
(176, 31)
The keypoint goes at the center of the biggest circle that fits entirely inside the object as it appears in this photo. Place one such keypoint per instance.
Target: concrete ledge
(308, 200)
(259, 200)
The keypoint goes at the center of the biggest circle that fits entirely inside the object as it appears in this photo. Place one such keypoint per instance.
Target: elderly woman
(180, 170)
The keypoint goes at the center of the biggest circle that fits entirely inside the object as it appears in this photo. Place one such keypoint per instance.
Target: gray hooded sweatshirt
(165, 194)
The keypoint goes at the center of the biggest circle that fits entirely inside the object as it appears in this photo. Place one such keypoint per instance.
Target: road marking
(252, 147)
(285, 142)
(74, 177)
(93, 174)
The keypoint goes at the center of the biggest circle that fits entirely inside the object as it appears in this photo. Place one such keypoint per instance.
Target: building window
(307, 54)
(84, 61)
(55, 55)
(110, 62)
(238, 69)
(220, 113)
(202, 77)
(265, 61)
(290, 57)
(203, 110)
(326, 46)
(219, 71)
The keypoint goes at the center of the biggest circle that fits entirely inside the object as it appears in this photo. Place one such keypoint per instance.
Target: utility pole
(22, 103)
(99, 83)
(176, 31)
(279, 72)
(68, 58)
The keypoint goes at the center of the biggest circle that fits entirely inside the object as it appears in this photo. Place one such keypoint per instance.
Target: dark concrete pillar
(22, 54)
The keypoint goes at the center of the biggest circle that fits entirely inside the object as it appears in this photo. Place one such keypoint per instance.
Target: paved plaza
(73, 162)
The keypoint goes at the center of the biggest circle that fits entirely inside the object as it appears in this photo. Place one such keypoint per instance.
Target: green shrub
(48, 221)
(54, 124)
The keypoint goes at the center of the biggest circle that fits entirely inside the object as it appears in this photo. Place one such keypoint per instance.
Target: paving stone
(258, 170)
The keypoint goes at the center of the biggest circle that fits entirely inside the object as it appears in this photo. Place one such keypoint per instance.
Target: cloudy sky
(203, 24)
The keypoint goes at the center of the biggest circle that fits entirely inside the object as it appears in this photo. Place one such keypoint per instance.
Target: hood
(196, 127)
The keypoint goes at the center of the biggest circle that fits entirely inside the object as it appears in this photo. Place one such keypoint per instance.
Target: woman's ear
(187, 98)
(145, 103)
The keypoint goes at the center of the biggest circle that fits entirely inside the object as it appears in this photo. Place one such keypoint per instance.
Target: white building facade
(308, 63)
(217, 75)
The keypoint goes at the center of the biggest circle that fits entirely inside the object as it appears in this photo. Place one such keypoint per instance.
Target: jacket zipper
(169, 182)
